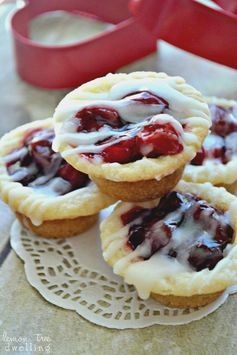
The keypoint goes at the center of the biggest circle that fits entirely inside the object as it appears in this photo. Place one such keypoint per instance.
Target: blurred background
(21, 102)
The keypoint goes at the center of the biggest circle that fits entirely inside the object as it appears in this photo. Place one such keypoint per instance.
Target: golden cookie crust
(139, 190)
(186, 302)
(217, 174)
(60, 228)
(146, 168)
(38, 207)
(182, 283)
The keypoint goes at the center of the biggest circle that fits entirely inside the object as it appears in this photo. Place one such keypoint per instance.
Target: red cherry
(163, 140)
(123, 152)
(224, 233)
(136, 236)
(205, 254)
(76, 178)
(223, 120)
(40, 147)
(147, 98)
(159, 236)
(93, 118)
(42, 154)
(219, 153)
(199, 158)
(204, 212)
(214, 147)
(131, 215)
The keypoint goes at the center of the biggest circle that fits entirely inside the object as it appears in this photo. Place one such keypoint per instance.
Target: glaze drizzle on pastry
(181, 226)
(221, 144)
(135, 119)
(35, 164)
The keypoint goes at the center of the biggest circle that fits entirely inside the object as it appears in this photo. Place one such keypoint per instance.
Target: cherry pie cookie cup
(132, 133)
(180, 249)
(216, 162)
(49, 196)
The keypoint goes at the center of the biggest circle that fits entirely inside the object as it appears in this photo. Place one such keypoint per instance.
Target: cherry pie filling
(36, 165)
(129, 142)
(221, 144)
(181, 226)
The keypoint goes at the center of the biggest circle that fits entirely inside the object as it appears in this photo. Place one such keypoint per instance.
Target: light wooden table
(23, 312)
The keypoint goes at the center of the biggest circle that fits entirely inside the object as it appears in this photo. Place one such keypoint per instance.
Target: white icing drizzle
(54, 187)
(214, 141)
(23, 172)
(36, 221)
(144, 275)
(15, 155)
(180, 107)
(86, 141)
(231, 145)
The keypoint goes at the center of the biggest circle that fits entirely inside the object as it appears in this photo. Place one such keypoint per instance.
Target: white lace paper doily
(72, 274)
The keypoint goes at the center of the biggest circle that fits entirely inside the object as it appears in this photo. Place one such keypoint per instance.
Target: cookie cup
(175, 288)
(147, 178)
(45, 215)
